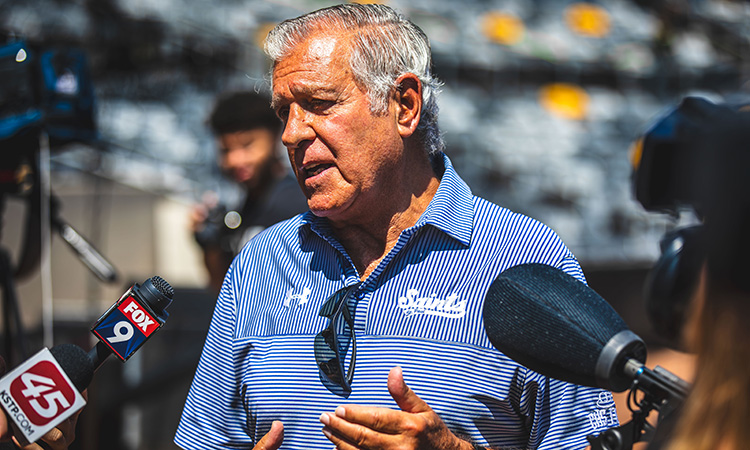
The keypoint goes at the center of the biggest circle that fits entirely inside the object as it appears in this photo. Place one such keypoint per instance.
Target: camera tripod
(20, 174)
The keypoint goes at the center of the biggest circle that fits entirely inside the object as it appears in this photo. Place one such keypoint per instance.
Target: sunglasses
(329, 351)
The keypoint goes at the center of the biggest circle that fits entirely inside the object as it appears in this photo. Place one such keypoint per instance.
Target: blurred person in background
(697, 159)
(716, 412)
(247, 133)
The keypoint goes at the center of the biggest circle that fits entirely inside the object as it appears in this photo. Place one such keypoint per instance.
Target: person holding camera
(716, 411)
(698, 293)
(247, 132)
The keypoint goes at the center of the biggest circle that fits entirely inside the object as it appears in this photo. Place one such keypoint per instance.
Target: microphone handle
(99, 354)
(663, 391)
(664, 386)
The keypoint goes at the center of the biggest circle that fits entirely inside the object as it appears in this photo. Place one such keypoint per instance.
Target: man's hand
(199, 212)
(416, 426)
(273, 439)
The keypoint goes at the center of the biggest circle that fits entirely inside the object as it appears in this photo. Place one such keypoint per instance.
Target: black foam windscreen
(549, 322)
(157, 293)
(76, 363)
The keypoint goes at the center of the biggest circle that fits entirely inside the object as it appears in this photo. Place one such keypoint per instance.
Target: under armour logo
(301, 298)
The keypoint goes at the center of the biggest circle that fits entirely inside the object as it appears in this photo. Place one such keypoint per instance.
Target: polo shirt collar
(451, 210)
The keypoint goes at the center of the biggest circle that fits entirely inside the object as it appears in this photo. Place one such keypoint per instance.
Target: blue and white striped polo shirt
(420, 309)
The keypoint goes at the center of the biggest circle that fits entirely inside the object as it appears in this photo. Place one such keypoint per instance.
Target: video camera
(44, 90)
(220, 229)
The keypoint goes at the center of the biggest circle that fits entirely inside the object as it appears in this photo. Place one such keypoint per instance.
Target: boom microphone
(46, 389)
(554, 324)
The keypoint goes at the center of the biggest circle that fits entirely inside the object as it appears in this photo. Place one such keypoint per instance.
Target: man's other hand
(273, 439)
(416, 426)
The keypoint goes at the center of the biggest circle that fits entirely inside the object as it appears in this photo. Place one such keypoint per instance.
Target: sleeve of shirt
(565, 414)
(213, 416)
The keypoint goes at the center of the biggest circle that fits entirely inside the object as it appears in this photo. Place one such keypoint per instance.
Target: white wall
(142, 234)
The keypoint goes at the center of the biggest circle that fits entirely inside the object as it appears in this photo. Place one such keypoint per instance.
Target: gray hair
(386, 45)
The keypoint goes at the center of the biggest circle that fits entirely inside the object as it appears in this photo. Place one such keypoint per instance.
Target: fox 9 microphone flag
(127, 324)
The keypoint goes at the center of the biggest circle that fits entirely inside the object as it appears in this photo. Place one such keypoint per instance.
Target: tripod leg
(15, 339)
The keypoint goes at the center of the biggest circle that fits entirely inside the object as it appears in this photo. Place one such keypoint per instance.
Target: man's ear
(408, 98)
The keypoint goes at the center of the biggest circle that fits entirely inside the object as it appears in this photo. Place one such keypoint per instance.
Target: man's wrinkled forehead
(319, 46)
(313, 63)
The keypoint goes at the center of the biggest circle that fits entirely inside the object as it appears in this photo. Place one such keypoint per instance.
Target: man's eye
(319, 105)
(283, 113)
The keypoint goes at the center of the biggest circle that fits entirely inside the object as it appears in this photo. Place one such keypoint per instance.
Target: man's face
(246, 155)
(344, 157)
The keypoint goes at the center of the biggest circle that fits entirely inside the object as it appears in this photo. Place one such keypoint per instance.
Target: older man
(363, 316)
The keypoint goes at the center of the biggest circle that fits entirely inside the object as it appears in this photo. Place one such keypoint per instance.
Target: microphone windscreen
(157, 293)
(76, 363)
(549, 322)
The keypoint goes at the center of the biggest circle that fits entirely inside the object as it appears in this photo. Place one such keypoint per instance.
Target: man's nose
(298, 129)
(232, 158)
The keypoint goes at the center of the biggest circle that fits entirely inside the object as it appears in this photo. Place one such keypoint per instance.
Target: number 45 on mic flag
(38, 394)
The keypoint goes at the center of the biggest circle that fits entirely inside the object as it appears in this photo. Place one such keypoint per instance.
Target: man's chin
(248, 182)
(319, 212)
(334, 207)
(328, 211)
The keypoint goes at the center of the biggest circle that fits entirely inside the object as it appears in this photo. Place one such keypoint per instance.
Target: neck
(368, 241)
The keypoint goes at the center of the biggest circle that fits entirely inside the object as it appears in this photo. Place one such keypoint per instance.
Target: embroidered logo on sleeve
(605, 414)
(450, 307)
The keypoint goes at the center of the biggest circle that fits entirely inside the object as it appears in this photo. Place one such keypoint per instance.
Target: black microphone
(88, 254)
(552, 323)
(46, 389)
(91, 258)
(556, 325)
(127, 324)
(76, 363)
